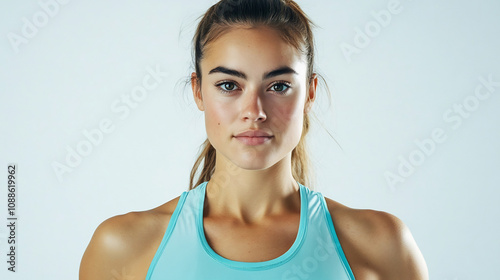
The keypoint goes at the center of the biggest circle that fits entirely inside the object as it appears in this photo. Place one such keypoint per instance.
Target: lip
(254, 133)
(253, 137)
(253, 141)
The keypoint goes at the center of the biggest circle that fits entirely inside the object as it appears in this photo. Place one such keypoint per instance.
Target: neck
(249, 196)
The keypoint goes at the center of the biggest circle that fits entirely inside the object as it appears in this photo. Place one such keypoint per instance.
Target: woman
(248, 217)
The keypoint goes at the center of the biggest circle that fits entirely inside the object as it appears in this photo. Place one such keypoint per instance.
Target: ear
(311, 93)
(196, 86)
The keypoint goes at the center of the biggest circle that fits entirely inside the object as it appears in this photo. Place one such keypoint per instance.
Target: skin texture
(252, 192)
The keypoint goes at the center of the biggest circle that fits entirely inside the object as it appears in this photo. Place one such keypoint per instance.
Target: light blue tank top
(185, 254)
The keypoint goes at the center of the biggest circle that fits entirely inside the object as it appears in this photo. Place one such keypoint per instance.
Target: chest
(255, 243)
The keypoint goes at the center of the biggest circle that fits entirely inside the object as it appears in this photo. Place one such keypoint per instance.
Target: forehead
(256, 49)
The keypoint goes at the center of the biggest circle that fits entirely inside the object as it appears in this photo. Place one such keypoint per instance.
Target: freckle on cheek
(218, 123)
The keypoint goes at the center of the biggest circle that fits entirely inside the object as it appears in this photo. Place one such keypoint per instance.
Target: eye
(226, 87)
(281, 87)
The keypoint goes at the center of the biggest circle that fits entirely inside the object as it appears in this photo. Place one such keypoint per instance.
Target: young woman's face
(253, 80)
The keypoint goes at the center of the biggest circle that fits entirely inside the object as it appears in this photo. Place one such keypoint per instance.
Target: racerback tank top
(185, 254)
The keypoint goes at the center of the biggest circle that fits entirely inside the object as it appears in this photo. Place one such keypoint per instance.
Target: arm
(400, 257)
(112, 251)
(123, 246)
(377, 244)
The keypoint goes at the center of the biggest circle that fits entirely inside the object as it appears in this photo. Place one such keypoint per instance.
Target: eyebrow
(232, 72)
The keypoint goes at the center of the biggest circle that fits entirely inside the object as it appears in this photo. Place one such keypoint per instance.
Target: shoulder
(377, 242)
(125, 241)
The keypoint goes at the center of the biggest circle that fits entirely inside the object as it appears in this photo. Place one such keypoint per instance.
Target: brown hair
(294, 27)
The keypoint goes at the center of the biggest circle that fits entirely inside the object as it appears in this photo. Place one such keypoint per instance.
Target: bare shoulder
(377, 244)
(126, 242)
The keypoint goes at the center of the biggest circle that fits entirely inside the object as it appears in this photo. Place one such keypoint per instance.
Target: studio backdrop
(97, 119)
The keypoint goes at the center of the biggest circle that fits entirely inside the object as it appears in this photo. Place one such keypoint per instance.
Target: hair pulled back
(294, 27)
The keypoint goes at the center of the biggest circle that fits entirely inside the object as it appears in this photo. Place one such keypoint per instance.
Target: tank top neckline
(299, 239)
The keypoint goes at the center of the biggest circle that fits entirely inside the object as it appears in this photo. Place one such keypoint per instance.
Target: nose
(253, 109)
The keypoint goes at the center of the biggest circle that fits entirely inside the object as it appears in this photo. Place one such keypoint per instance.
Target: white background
(66, 75)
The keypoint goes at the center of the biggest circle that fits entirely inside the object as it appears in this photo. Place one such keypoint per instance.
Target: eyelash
(277, 83)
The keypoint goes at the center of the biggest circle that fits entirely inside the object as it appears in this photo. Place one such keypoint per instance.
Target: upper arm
(107, 253)
(124, 245)
(397, 255)
(377, 244)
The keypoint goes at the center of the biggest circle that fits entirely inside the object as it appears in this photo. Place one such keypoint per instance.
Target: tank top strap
(182, 220)
(185, 254)
(322, 230)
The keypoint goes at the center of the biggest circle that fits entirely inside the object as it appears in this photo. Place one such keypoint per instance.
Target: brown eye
(280, 88)
(226, 87)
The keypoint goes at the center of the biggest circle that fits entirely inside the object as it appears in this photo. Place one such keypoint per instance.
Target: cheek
(287, 119)
(217, 117)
